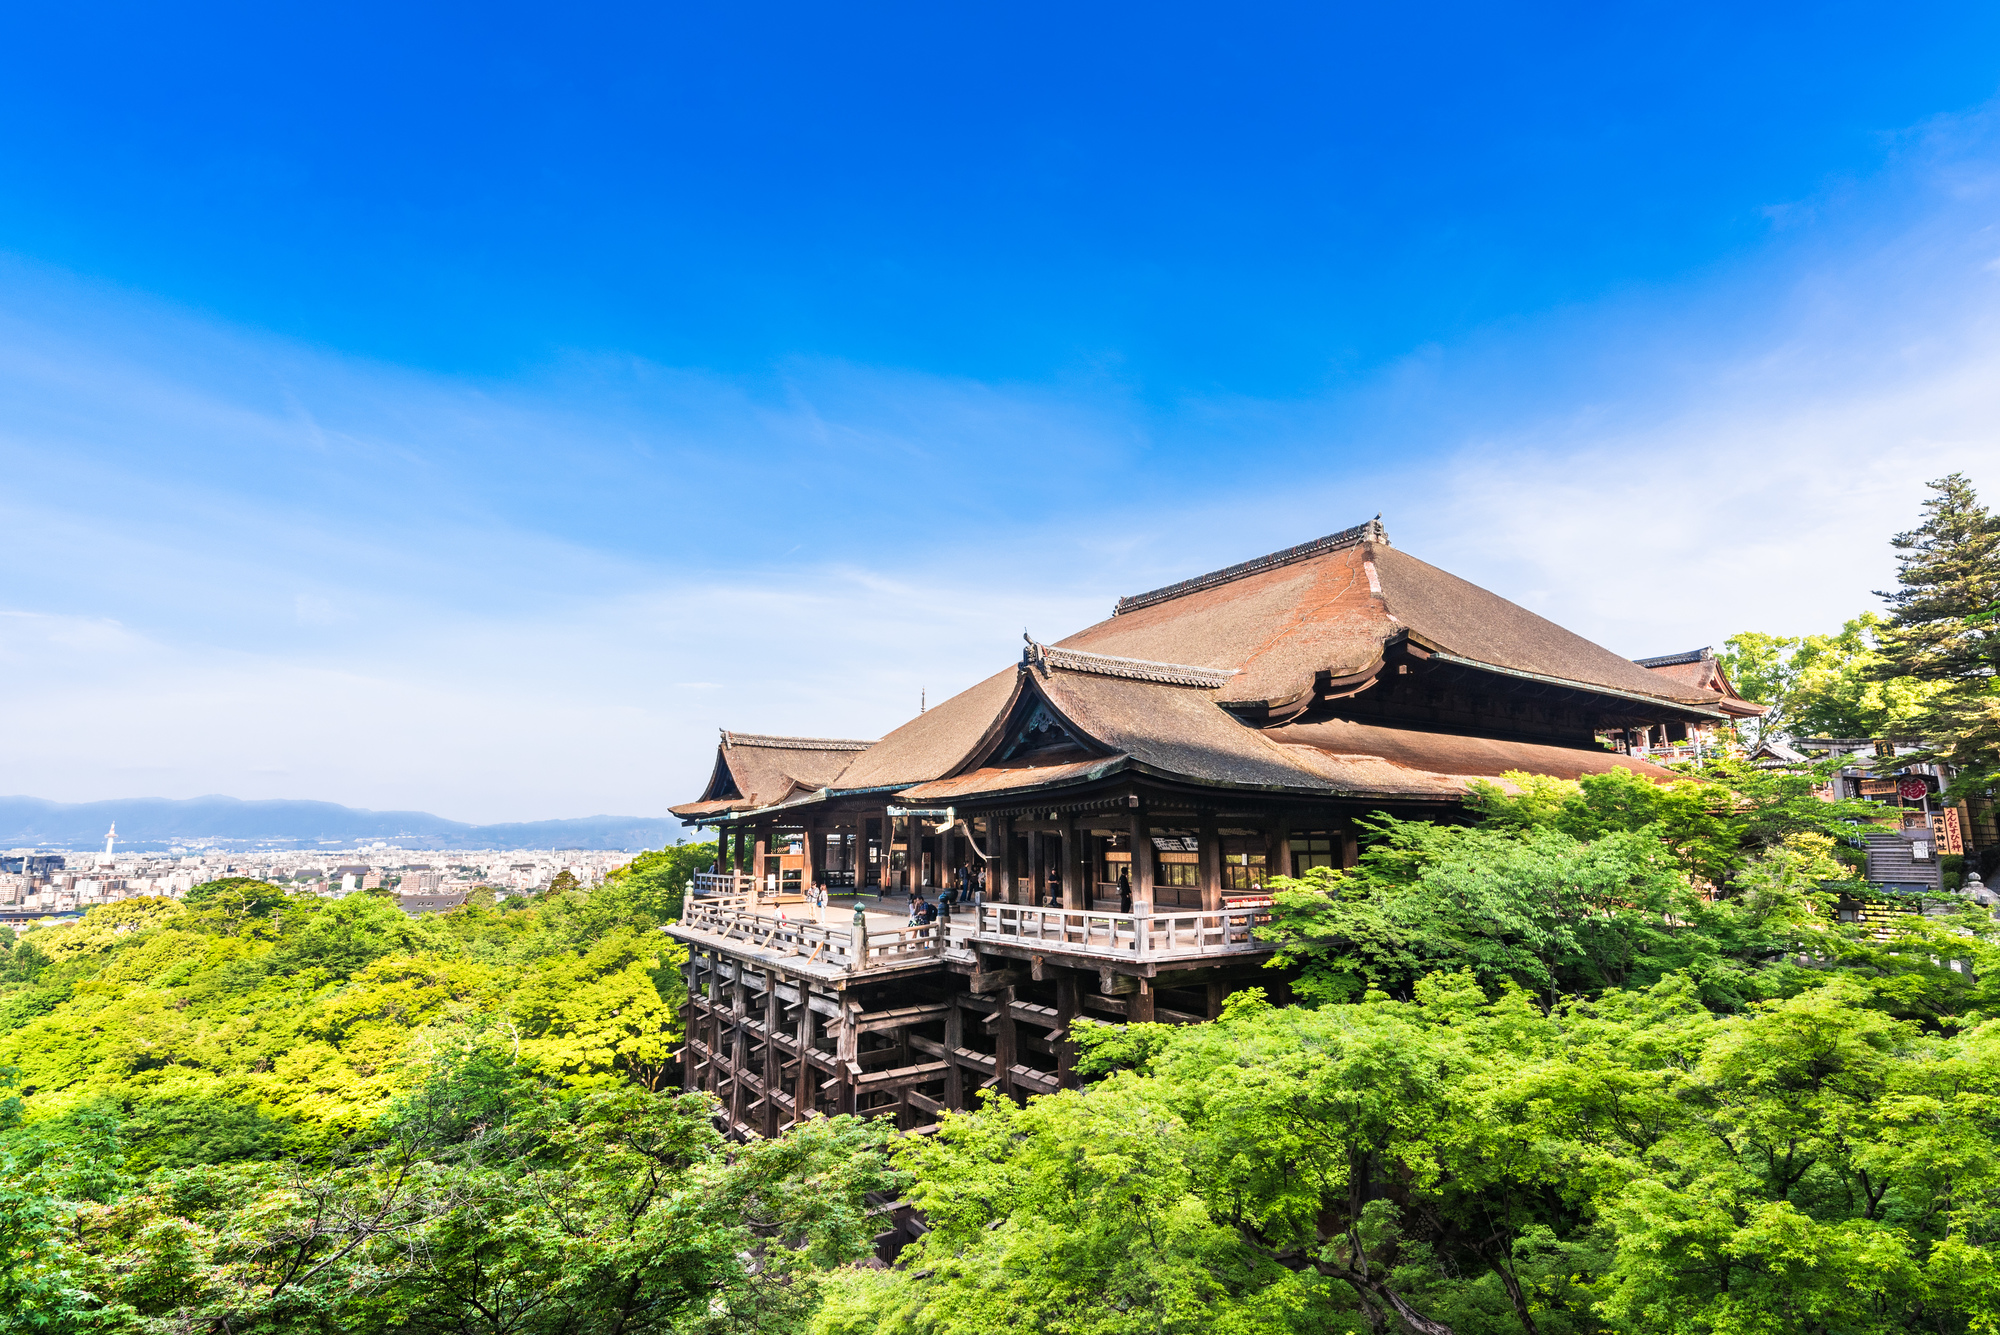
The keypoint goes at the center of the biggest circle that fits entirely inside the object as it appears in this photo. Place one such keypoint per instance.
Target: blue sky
(472, 408)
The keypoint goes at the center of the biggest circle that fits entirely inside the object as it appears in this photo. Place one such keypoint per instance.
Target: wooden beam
(901, 1077)
(1043, 1016)
(869, 1021)
(996, 980)
(1038, 1082)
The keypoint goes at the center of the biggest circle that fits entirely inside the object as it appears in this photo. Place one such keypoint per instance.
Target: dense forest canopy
(1530, 1081)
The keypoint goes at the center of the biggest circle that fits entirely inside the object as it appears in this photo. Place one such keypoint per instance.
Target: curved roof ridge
(792, 743)
(1675, 660)
(1372, 531)
(1133, 669)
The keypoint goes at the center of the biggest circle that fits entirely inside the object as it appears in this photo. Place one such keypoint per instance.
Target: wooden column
(714, 1034)
(1142, 862)
(846, 1051)
(1068, 1004)
(690, 1030)
(888, 853)
(1005, 1043)
(812, 837)
(1350, 844)
(774, 1056)
(1211, 865)
(763, 850)
(1000, 883)
(739, 1047)
(954, 1076)
(1280, 861)
(1075, 877)
(1036, 872)
(1140, 1008)
(900, 1037)
(805, 1085)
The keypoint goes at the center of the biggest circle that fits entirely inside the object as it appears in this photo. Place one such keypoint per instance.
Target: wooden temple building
(1122, 797)
(1677, 739)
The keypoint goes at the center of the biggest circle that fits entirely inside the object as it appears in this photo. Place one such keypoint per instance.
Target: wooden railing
(733, 918)
(1158, 935)
(707, 883)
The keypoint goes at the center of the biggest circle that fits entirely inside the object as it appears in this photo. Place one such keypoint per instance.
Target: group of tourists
(924, 912)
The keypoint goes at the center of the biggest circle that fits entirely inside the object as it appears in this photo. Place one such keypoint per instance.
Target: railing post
(860, 945)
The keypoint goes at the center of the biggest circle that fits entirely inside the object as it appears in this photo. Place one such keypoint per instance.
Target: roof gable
(936, 741)
(1701, 669)
(1330, 606)
(757, 769)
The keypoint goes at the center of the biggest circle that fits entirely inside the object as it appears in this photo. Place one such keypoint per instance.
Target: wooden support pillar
(739, 1046)
(714, 1029)
(1000, 883)
(901, 1038)
(774, 1056)
(1036, 874)
(846, 1053)
(1142, 862)
(1350, 844)
(1075, 880)
(1211, 865)
(1068, 1004)
(954, 1077)
(806, 1087)
(1140, 1009)
(1280, 861)
(1006, 1044)
(888, 853)
(1216, 993)
(763, 851)
(811, 838)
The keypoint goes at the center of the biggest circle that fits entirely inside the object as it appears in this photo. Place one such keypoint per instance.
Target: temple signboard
(1945, 831)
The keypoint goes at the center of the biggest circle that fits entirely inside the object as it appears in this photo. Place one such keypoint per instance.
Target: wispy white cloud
(237, 565)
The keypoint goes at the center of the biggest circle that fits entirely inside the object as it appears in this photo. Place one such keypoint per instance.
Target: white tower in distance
(110, 838)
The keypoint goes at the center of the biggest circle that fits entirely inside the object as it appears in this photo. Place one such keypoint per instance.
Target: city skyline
(724, 356)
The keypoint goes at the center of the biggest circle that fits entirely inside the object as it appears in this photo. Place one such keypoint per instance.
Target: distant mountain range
(146, 823)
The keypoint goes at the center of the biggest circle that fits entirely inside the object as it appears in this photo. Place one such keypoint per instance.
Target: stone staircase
(1890, 863)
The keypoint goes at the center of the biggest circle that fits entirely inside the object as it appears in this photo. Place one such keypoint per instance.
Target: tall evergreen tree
(1945, 628)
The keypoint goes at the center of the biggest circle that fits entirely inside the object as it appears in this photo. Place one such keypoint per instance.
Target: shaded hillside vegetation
(264, 1111)
(1537, 1083)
